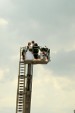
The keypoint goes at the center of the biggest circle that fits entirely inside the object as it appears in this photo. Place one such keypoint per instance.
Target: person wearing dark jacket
(35, 50)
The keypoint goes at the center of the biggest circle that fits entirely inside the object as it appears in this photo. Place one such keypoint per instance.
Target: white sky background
(50, 23)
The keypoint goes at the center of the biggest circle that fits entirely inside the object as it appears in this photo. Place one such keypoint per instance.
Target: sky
(50, 23)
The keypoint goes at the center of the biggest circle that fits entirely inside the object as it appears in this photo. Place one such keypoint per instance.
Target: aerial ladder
(24, 88)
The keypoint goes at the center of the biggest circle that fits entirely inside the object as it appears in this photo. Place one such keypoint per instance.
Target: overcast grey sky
(50, 23)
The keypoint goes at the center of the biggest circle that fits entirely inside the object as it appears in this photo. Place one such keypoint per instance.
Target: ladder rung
(21, 83)
(21, 89)
(22, 65)
(20, 105)
(21, 80)
(20, 102)
(22, 71)
(21, 93)
(21, 86)
(20, 96)
(20, 110)
(20, 99)
(21, 74)
(22, 68)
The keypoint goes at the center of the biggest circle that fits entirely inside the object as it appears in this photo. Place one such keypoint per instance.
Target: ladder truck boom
(28, 89)
(24, 88)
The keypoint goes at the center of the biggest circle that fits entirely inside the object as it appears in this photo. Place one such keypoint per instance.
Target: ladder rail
(20, 86)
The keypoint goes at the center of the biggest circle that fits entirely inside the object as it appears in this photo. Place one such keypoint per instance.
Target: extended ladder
(21, 87)
(24, 88)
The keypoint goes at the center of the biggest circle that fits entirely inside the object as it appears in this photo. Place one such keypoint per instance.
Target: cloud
(47, 91)
(3, 22)
(8, 96)
(52, 93)
(3, 73)
(50, 23)
(62, 63)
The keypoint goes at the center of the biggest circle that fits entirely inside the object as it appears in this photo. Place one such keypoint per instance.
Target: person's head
(33, 42)
(29, 43)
